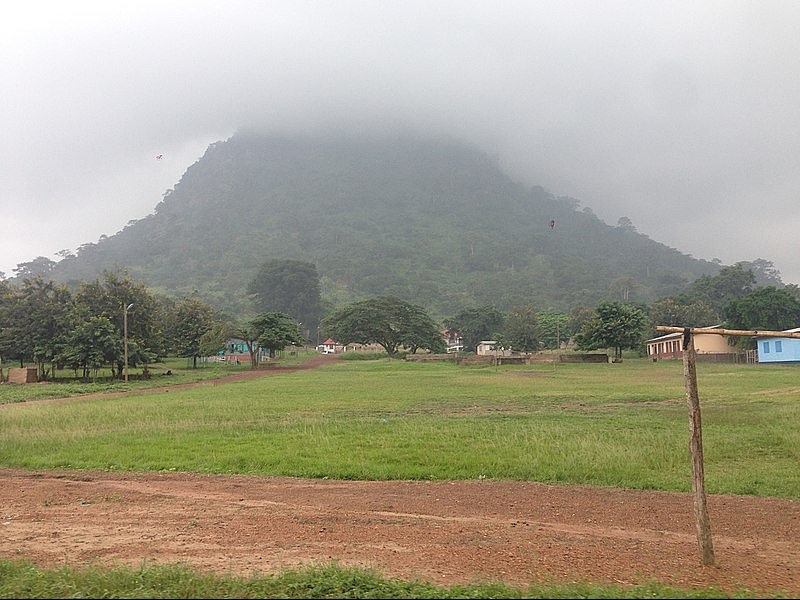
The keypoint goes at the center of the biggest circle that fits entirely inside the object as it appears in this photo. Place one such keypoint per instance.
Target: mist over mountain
(431, 221)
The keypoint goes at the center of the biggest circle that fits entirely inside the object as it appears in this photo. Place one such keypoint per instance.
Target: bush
(364, 355)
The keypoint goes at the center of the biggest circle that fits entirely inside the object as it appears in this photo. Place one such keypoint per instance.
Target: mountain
(431, 221)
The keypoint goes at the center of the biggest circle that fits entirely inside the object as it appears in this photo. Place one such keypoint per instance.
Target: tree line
(51, 326)
(47, 324)
(741, 296)
(733, 298)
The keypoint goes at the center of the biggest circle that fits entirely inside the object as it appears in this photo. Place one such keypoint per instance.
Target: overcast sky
(682, 116)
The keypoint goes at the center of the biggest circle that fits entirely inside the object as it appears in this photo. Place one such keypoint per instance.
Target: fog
(681, 116)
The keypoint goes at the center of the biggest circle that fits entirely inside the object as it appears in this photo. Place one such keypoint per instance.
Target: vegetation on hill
(428, 221)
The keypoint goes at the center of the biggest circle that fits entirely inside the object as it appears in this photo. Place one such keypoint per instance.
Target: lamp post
(125, 336)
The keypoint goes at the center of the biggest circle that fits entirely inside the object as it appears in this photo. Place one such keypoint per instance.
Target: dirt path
(446, 532)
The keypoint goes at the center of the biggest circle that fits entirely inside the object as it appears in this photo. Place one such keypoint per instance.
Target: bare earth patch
(445, 532)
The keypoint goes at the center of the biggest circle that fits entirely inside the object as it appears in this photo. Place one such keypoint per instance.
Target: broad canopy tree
(290, 287)
(521, 330)
(387, 321)
(768, 308)
(276, 331)
(616, 325)
(730, 283)
(272, 331)
(40, 266)
(681, 312)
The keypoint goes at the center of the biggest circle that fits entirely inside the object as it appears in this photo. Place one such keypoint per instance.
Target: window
(765, 347)
(778, 346)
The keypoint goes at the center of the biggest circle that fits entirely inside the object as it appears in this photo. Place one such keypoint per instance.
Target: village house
(785, 350)
(330, 347)
(453, 341)
(708, 346)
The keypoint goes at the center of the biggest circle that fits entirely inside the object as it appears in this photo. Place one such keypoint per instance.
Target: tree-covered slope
(429, 221)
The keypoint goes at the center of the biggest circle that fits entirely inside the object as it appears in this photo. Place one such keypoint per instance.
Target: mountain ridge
(429, 220)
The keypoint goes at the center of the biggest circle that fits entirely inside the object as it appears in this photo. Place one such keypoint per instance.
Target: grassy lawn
(171, 371)
(618, 425)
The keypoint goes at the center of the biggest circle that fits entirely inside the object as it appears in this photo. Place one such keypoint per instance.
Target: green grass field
(622, 425)
(617, 425)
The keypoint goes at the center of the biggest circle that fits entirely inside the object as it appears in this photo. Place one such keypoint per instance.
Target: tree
(624, 287)
(521, 329)
(625, 224)
(386, 321)
(288, 286)
(616, 325)
(192, 320)
(92, 345)
(764, 272)
(35, 319)
(249, 335)
(553, 328)
(107, 297)
(276, 331)
(681, 312)
(65, 253)
(39, 266)
(577, 317)
(477, 324)
(793, 289)
(213, 340)
(768, 308)
(272, 331)
(422, 331)
(730, 283)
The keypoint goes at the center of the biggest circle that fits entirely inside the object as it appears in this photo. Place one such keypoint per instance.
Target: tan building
(487, 347)
(670, 346)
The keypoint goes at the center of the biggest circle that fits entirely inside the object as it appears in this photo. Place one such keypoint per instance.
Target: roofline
(677, 334)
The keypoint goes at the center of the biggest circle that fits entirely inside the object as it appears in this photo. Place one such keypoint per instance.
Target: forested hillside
(430, 221)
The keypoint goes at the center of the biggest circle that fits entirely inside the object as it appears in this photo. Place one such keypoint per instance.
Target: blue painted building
(779, 349)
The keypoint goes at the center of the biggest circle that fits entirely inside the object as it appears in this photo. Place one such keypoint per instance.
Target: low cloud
(681, 116)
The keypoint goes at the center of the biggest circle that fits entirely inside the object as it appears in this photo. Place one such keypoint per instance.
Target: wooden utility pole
(703, 524)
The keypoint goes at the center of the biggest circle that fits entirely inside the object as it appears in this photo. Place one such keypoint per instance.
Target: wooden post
(696, 436)
(696, 447)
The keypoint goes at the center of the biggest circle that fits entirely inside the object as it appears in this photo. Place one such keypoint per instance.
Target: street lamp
(125, 336)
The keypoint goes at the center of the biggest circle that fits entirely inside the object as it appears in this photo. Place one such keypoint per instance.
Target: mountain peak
(429, 220)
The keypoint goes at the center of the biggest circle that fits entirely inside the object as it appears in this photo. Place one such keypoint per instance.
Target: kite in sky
(159, 156)
(552, 223)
